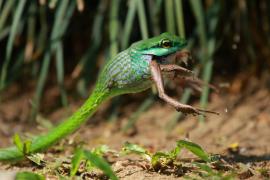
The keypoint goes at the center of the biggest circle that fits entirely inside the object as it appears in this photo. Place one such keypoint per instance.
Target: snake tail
(68, 126)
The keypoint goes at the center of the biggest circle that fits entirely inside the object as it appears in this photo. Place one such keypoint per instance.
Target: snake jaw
(182, 56)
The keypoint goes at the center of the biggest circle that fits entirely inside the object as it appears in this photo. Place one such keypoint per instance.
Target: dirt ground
(240, 135)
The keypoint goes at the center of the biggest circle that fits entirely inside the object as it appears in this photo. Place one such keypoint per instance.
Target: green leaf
(159, 158)
(213, 173)
(169, 14)
(75, 162)
(100, 163)
(100, 150)
(136, 149)
(142, 19)
(14, 28)
(178, 5)
(24, 147)
(28, 176)
(58, 29)
(195, 149)
(165, 157)
(27, 146)
(204, 167)
(132, 7)
(18, 142)
(60, 72)
(36, 158)
(173, 153)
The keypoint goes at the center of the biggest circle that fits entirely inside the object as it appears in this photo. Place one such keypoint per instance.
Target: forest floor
(240, 135)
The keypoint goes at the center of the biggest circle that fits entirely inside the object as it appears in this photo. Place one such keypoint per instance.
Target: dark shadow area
(239, 158)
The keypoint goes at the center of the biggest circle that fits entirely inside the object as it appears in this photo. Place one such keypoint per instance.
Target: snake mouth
(182, 56)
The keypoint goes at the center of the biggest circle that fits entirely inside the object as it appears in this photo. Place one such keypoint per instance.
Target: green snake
(130, 71)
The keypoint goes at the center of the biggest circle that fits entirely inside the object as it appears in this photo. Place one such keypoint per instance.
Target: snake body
(127, 72)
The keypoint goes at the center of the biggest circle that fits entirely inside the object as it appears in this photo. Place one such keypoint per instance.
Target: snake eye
(166, 43)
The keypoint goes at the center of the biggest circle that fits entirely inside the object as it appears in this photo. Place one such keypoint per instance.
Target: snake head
(165, 48)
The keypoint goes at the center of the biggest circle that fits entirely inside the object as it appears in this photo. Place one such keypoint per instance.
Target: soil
(240, 135)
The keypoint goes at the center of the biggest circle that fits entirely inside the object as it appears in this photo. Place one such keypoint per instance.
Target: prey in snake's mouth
(161, 65)
(182, 57)
(171, 64)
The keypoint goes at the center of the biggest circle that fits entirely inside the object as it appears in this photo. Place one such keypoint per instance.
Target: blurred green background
(66, 42)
